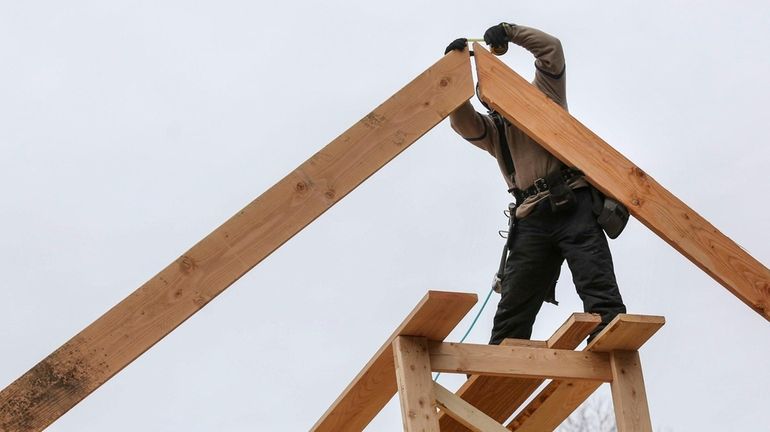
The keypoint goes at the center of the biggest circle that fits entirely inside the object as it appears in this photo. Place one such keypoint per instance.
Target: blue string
(483, 305)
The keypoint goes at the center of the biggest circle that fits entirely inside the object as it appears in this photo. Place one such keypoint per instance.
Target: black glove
(496, 36)
(457, 44)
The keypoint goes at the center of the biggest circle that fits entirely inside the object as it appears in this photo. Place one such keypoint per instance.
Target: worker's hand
(457, 44)
(496, 36)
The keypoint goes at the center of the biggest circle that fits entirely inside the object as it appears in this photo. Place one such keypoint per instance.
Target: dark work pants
(542, 241)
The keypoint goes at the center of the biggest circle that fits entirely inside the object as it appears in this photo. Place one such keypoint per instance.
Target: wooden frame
(414, 354)
(126, 331)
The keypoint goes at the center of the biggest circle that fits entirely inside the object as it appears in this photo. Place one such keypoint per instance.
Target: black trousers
(541, 243)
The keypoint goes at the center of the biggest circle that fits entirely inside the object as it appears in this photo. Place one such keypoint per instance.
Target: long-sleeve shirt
(531, 161)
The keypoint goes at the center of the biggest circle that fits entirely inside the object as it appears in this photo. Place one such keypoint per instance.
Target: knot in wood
(187, 264)
(638, 172)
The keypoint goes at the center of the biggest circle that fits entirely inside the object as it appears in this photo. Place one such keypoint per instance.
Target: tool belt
(562, 197)
(611, 215)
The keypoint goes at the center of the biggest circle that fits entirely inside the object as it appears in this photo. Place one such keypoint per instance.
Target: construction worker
(554, 210)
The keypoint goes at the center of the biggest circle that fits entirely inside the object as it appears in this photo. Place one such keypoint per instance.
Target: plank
(560, 398)
(629, 397)
(156, 308)
(499, 397)
(415, 384)
(611, 172)
(465, 413)
(523, 362)
(433, 318)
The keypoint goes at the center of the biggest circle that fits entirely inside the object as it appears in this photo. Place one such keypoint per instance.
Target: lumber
(498, 397)
(130, 328)
(433, 318)
(518, 361)
(415, 384)
(629, 397)
(612, 173)
(465, 413)
(561, 397)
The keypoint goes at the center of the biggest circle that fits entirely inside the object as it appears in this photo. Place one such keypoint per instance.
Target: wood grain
(415, 384)
(433, 318)
(611, 172)
(629, 396)
(130, 328)
(499, 397)
(518, 361)
(560, 398)
(464, 413)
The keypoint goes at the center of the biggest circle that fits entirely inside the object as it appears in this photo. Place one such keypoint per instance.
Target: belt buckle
(541, 185)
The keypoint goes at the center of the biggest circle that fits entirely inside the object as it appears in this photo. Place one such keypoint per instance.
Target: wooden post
(415, 385)
(109, 344)
(628, 394)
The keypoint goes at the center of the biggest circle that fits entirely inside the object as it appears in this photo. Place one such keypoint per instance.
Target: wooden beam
(499, 397)
(465, 413)
(415, 385)
(657, 208)
(629, 396)
(434, 318)
(560, 398)
(523, 362)
(130, 328)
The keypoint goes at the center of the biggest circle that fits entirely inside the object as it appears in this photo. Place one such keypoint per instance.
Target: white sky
(129, 130)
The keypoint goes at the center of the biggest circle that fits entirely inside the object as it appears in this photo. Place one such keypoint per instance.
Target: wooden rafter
(575, 145)
(130, 328)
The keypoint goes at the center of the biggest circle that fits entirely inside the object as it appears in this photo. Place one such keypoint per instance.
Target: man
(554, 211)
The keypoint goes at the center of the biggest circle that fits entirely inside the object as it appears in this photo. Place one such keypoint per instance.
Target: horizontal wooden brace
(519, 361)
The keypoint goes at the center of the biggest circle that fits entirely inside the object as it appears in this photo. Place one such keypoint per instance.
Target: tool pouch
(611, 215)
(562, 198)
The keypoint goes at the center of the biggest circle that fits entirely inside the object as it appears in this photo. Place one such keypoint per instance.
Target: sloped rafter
(109, 344)
(662, 212)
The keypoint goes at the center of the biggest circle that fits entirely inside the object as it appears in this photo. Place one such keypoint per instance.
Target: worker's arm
(548, 52)
(478, 129)
(475, 127)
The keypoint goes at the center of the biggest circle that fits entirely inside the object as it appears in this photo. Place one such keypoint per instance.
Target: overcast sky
(130, 130)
